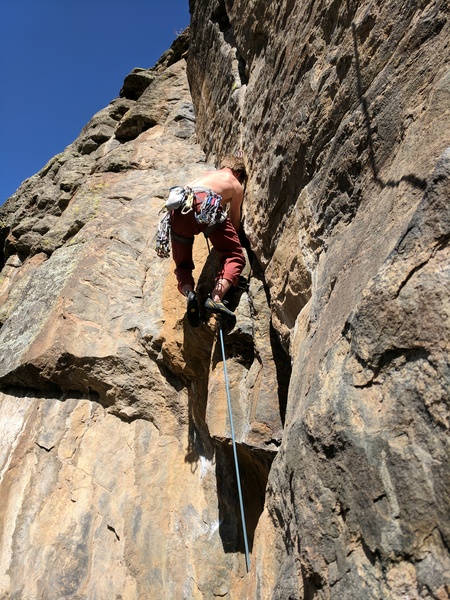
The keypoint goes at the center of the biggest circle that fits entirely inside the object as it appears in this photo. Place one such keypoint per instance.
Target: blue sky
(61, 61)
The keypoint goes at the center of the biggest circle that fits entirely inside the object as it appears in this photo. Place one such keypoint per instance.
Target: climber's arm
(235, 205)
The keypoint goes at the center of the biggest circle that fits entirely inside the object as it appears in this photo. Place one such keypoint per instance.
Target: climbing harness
(233, 438)
(211, 214)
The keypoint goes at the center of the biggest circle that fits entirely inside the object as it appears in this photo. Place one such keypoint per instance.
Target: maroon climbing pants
(224, 240)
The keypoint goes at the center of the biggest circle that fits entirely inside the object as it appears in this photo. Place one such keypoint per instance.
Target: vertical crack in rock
(258, 410)
(254, 467)
(220, 16)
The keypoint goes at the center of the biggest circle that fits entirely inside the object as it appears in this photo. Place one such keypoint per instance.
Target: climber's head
(236, 164)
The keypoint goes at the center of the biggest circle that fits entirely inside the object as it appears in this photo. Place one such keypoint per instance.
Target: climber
(223, 186)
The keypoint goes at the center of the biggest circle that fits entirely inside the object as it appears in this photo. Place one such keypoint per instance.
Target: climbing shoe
(220, 309)
(193, 314)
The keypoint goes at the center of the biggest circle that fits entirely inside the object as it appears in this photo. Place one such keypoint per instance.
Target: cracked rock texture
(117, 478)
(116, 469)
(342, 113)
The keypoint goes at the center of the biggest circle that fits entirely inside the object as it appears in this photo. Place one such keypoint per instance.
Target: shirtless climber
(227, 184)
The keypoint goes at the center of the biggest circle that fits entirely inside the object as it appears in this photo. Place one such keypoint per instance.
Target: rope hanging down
(233, 439)
(236, 463)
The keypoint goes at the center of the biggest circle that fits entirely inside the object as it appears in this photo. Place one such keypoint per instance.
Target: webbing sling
(180, 239)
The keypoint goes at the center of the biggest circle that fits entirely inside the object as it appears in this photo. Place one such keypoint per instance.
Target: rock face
(116, 470)
(341, 111)
(117, 476)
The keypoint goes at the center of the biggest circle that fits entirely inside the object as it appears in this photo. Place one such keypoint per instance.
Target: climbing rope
(236, 462)
(233, 438)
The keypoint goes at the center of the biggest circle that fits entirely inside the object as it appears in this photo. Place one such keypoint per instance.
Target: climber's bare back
(225, 183)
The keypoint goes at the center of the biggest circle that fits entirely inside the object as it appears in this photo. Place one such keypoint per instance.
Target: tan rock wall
(91, 506)
(116, 456)
(117, 472)
(341, 112)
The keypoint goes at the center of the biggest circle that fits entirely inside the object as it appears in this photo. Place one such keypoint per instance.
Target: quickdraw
(211, 210)
(188, 201)
(163, 237)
